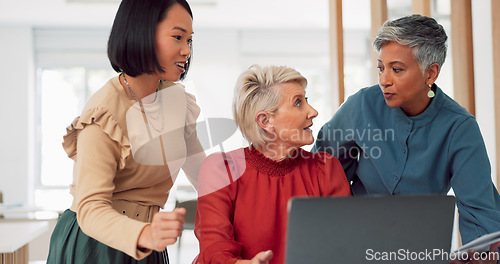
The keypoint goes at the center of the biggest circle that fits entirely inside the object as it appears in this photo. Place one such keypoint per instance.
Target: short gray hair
(256, 91)
(424, 35)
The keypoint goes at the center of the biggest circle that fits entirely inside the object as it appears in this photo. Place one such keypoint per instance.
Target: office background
(53, 57)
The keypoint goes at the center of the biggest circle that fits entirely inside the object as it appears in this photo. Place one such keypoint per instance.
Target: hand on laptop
(490, 257)
(262, 257)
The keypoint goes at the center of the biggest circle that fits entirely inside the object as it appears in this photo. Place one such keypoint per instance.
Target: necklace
(153, 118)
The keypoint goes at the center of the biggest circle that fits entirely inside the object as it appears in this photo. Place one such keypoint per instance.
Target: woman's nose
(186, 51)
(312, 112)
(384, 79)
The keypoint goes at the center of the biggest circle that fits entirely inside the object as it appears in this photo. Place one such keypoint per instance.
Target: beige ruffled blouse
(119, 163)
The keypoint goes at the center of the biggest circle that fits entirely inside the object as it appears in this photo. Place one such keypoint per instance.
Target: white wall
(16, 93)
(483, 76)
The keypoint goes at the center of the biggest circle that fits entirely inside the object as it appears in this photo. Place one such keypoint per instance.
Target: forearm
(95, 170)
(478, 200)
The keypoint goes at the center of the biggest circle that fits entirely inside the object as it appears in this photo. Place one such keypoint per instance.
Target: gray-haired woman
(405, 136)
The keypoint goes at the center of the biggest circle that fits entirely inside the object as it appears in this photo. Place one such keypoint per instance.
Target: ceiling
(207, 13)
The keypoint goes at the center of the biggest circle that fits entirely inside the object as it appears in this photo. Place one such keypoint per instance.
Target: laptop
(370, 229)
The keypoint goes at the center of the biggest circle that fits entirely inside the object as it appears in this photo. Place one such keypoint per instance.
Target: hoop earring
(431, 93)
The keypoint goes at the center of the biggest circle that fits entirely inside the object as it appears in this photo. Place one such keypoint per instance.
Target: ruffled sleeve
(194, 150)
(109, 125)
(192, 113)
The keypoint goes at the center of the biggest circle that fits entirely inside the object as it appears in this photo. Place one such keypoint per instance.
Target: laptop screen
(370, 229)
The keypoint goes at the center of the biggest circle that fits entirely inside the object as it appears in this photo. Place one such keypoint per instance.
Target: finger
(264, 256)
(169, 234)
(494, 250)
(169, 216)
(494, 246)
(161, 240)
(167, 224)
(169, 219)
(167, 242)
(470, 253)
(161, 228)
(180, 210)
(161, 224)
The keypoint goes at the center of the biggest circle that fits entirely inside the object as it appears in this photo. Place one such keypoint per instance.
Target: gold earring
(431, 93)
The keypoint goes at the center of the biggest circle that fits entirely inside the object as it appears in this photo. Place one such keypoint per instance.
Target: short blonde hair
(256, 91)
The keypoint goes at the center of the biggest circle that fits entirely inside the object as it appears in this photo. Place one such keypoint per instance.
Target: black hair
(131, 46)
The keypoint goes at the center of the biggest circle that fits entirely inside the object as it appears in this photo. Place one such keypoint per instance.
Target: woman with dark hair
(131, 140)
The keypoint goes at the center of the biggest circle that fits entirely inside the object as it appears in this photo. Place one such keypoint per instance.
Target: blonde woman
(243, 194)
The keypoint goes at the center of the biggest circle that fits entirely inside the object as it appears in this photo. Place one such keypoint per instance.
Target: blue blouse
(384, 151)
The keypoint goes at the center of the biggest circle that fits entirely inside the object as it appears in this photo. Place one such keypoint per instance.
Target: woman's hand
(490, 257)
(262, 257)
(164, 230)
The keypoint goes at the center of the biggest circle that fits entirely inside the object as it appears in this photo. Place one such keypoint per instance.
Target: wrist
(144, 241)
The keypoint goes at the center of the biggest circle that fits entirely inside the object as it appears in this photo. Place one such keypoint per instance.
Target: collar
(429, 114)
(268, 166)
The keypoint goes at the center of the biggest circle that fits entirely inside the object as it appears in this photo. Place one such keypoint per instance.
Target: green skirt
(68, 244)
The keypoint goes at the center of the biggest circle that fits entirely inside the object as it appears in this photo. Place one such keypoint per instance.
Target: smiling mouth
(181, 65)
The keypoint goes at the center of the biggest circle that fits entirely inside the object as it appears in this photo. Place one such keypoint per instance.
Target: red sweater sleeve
(335, 182)
(213, 225)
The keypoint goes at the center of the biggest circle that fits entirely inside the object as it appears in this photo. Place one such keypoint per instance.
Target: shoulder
(220, 169)
(104, 110)
(320, 159)
(372, 100)
(111, 96)
(227, 158)
(110, 102)
(192, 113)
(452, 108)
(366, 100)
(453, 116)
(365, 93)
(356, 111)
(330, 174)
(193, 110)
(183, 103)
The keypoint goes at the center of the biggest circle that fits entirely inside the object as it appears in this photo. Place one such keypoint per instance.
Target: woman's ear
(432, 73)
(263, 120)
